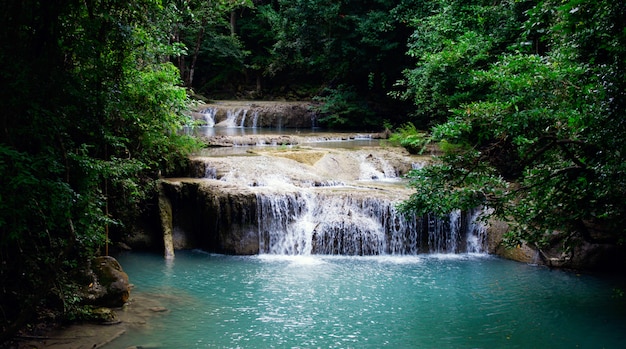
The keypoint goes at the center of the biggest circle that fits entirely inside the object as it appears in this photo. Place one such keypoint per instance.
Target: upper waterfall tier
(309, 200)
(275, 114)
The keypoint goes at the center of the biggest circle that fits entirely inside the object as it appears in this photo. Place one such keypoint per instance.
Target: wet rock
(109, 286)
(495, 244)
(224, 213)
(105, 316)
(276, 114)
(583, 255)
(214, 217)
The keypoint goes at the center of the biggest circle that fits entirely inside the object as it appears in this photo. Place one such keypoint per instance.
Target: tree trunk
(194, 58)
(180, 59)
(233, 23)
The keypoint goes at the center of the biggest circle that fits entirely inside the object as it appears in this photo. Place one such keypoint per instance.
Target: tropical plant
(91, 114)
(409, 137)
(342, 107)
(544, 145)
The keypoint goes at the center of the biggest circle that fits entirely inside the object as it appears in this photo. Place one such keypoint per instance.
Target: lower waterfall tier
(308, 200)
(325, 195)
(335, 220)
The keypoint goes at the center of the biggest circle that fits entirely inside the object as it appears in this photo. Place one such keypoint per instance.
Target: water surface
(426, 301)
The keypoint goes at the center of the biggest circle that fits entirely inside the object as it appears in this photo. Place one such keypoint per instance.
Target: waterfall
(275, 217)
(255, 118)
(444, 234)
(303, 201)
(232, 118)
(242, 123)
(418, 165)
(477, 237)
(305, 223)
(210, 172)
(209, 116)
(313, 120)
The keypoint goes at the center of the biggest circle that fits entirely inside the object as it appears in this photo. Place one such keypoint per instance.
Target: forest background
(525, 99)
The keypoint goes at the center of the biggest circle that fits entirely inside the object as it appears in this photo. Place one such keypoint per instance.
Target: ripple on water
(371, 302)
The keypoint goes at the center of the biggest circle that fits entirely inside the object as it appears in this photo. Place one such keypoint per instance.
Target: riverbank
(134, 316)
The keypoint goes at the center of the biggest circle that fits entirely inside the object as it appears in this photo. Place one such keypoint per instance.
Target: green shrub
(409, 137)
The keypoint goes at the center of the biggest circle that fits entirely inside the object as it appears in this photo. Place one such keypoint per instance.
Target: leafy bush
(99, 117)
(410, 138)
(343, 108)
(544, 143)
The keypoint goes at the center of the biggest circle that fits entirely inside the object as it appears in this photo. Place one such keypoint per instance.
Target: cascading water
(234, 118)
(477, 236)
(209, 116)
(210, 172)
(242, 123)
(255, 119)
(318, 201)
(314, 223)
(376, 168)
(444, 234)
(301, 224)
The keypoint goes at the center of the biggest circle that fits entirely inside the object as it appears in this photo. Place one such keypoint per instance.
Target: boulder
(109, 285)
(582, 255)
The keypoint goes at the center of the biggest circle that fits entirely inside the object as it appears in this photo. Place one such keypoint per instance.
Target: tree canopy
(91, 110)
(346, 54)
(532, 126)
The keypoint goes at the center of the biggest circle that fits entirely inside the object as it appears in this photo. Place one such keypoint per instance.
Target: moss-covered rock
(109, 286)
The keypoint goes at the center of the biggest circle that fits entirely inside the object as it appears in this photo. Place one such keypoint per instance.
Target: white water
(255, 119)
(234, 118)
(314, 222)
(209, 116)
(242, 123)
(336, 202)
(317, 223)
(477, 236)
(376, 168)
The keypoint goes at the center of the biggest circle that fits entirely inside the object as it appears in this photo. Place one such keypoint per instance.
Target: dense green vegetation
(525, 98)
(346, 54)
(91, 109)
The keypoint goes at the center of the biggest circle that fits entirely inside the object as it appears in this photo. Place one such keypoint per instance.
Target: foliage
(91, 114)
(340, 108)
(340, 48)
(543, 145)
(453, 40)
(526, 99)
(410, 138)
(202, 28)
